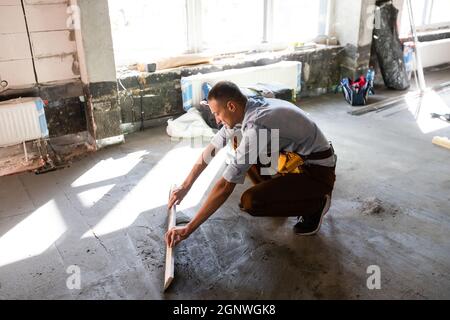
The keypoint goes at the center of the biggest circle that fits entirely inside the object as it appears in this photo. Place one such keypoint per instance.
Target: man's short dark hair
(225, 91)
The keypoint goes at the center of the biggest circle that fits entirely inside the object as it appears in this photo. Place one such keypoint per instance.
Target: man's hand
(219, 194)
(175, 235)
(177, 196)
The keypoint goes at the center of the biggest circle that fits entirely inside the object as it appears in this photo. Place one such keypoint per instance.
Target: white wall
(53, 45)
(16, 65)
(347, 15)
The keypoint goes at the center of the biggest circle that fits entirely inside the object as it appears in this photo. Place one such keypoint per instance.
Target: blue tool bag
(356, 93)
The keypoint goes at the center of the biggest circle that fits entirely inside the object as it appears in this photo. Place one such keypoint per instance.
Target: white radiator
(434, 53)
(22, 120)
(287, 73)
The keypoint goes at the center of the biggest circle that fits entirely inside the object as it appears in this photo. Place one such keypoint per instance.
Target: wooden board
(442, 142)
(170, 260)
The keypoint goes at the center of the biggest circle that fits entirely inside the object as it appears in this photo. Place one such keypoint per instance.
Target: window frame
(425, 24)
(194, 28)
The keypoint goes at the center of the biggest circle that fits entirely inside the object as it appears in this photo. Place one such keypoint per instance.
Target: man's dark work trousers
(289, 195)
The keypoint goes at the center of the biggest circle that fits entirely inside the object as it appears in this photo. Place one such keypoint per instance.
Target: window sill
(430, 35)
(224, 61)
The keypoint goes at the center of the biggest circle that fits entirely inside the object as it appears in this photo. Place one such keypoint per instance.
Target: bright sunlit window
(440, 12)
(232, 23)
(143, 29)
(146, 30)
(296, 20)
(428, 15)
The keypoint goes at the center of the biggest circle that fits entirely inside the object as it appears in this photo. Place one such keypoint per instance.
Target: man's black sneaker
(308, 226)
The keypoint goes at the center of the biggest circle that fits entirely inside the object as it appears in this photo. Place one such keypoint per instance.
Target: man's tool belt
(291, 162)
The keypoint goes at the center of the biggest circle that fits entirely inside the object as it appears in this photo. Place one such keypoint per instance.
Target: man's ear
(231, 106)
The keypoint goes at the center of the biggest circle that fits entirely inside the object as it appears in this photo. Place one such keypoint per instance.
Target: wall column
(353, 25)
(98, 71)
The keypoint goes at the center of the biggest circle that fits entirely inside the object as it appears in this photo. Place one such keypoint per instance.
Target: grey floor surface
(106, 214)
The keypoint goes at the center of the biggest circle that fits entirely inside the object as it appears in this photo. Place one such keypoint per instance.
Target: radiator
(22, 120)
(434, 53)
(287, 73)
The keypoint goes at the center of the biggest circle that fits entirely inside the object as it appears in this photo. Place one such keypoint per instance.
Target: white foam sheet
(287, 73)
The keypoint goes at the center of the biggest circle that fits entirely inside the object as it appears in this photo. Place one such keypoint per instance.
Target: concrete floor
(106, 214)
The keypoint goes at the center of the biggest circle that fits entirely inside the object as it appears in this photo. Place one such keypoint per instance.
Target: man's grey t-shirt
(297, 133)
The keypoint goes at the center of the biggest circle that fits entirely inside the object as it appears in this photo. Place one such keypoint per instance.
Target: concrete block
(29, 2)
(14, 46)
(47, 17)
(12, 20)
(55, 68)
(10, 3)
(53, 43)
(18, 73)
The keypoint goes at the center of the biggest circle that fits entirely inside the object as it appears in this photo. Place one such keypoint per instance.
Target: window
(295, 20)
(428, 15)
(232, 23)
(149, 29)
(440, 12)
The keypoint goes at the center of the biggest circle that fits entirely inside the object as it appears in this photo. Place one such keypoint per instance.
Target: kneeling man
(298, 183)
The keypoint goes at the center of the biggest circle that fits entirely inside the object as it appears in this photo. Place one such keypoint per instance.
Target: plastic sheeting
(389, 49)
(189, 125)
